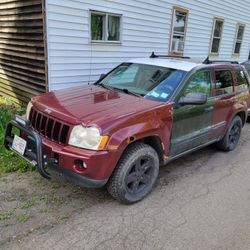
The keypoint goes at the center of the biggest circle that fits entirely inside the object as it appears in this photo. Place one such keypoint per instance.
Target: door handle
(208, 109)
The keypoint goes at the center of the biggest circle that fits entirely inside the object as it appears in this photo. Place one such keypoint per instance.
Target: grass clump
(4, 217)
(9, 162)
(22, 218)
(28, 204)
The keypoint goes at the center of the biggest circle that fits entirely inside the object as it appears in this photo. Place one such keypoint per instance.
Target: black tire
(232, 136)
(135, 174)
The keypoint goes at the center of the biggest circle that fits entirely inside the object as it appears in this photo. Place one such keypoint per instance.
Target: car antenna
(206, 61)
(90, 69)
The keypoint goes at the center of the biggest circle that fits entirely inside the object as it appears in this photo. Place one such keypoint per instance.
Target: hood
(91, 104)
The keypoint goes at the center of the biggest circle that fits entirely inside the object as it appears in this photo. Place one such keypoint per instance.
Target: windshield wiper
(115, 88)
(128, 92)
(104, 86)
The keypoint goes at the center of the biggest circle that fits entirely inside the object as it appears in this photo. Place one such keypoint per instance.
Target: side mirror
(193, 99)
(102, 76)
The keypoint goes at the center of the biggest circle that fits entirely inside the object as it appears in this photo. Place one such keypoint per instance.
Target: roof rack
(153, 55)
(208, 61)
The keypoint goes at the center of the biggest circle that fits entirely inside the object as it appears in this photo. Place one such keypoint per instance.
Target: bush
(9, 162)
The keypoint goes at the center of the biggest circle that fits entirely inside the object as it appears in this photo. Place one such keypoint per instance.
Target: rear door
(192, 123)
(224, 97)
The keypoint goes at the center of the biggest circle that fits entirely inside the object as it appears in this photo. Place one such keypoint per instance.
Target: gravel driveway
(201, 201)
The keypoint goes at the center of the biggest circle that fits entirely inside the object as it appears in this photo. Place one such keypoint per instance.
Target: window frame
(236, 40)
(186, 11)
(219, 19)
(106, 14)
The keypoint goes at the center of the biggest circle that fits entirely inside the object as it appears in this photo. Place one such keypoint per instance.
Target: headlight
(29, 107)
(87, 137)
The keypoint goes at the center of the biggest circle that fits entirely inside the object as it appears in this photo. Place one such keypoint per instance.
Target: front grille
(49, 127)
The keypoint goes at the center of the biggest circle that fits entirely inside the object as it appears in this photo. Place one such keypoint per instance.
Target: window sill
(118, 43)
(176, 54)
(213, 54)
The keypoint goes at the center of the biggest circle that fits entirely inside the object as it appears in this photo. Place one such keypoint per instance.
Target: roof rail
(208, 61)
(153, 55)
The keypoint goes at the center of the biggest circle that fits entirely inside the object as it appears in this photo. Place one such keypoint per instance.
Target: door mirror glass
(193, 99)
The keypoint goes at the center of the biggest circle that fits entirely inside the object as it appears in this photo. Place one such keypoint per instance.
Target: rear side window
(242, 83)
(224, 82)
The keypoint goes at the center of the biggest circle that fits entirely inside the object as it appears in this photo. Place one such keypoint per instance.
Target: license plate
(19, 145)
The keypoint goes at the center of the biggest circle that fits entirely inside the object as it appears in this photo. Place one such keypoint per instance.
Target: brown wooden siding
(22, 60)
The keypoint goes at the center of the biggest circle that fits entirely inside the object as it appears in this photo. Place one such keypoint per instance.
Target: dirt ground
(201, 201)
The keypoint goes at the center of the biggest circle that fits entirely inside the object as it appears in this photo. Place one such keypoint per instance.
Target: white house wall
(73, 60)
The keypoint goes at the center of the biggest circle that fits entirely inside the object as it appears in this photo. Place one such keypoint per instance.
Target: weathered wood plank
(22, 65)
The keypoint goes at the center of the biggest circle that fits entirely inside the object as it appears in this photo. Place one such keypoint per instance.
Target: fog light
(80, 164)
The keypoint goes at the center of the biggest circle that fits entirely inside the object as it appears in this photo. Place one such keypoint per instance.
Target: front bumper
(45, 155)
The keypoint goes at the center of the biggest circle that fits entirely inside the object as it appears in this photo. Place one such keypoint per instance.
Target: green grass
(9, 162)
(4, 217)
(22, 218)
(28, 204)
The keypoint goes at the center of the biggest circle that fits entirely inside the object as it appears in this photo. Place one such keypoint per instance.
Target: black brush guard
(33, 153)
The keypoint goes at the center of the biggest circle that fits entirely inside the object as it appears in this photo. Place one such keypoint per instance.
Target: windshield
(153, 82)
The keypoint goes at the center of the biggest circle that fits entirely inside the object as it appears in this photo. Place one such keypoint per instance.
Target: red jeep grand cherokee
(141, 115)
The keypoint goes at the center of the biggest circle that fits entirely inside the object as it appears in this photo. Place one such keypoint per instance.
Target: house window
(179, 26)
(105, 27)
(217, 35)
(239, 38)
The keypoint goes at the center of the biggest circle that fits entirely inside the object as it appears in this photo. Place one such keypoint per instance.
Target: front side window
(200, 82)
(217, 36)
(242, 82)
(178, 31)
(153, 82)
(105, 27)
(224, 82)
(239, 38)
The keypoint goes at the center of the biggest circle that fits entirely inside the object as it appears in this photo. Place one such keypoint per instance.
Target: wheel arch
(154, 141)
(243, 117)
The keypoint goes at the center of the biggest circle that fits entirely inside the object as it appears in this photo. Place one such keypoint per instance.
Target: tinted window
(224, 82)
(242, 83)
(200, 82)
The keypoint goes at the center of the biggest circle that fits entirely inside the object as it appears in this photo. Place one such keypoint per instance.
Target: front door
(192, 123)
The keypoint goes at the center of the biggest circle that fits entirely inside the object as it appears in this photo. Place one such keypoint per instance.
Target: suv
(141, 115)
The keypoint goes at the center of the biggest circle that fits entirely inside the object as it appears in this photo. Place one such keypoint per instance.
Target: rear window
(242, 82)
(224, 82)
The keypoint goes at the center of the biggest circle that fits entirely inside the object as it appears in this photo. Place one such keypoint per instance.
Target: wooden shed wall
(22, 56)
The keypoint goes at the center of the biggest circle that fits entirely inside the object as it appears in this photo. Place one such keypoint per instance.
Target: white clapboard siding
(146, 24)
